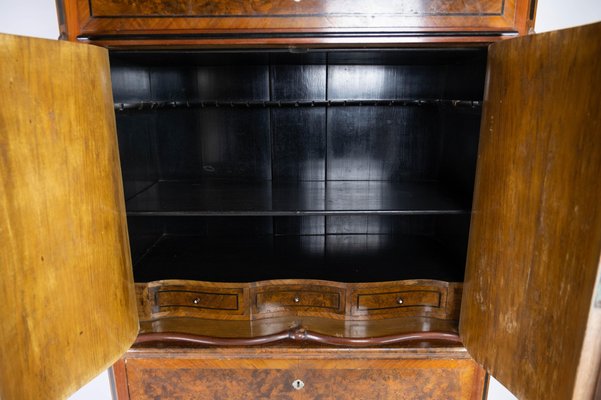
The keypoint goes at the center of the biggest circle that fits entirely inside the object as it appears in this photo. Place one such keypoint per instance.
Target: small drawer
(408, 298)
(197, 299)
(273, 300)
(390, 301)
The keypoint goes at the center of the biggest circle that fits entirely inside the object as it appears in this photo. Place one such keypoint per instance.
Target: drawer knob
(196, 300)
(298, 384)
(399, 300)
(296, 300)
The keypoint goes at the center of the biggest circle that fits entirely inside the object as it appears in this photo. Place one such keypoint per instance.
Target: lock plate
(298, 384)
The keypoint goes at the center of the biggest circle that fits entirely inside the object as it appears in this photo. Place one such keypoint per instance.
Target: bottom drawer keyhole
(298, 384)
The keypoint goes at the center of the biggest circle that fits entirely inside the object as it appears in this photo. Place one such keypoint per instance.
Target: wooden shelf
(265, 198)
(158, 105)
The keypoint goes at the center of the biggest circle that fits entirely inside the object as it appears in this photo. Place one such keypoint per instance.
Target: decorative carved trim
(298, 334)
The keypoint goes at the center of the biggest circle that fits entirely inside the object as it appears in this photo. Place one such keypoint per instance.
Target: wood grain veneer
(535, 237)
(216, 329)
(386, 373)
(68, 302)
(298, 297)
(334, 313)
(119, 376)
(168, 20)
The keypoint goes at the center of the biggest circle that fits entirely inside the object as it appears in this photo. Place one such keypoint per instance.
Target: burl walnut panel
(263, 22)
(204, 382)
(267, 8)
(260, 374)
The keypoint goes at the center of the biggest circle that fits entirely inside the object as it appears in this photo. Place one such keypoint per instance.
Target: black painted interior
(364, 173)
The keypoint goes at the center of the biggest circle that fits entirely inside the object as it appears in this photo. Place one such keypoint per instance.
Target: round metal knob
(196, 300)
(296, 299)
(399, 301)
(298, 384)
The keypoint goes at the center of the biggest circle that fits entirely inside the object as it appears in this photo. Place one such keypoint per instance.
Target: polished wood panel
(294, 44)
(199, 299)
(258, 313)
(282, 298)
(378, 379)
(387, 373)
(269, 8)
(212, 301)
(258, 19)
(298, 297)
(218, 379)
(535, 240)
(405, 298)
(257, 329)
(68, 301)
(392, 300)
(299, 335)
(119, 376)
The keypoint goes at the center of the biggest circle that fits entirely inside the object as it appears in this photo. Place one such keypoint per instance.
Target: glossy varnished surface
(372, 142)
(386, 373)
(67, 295)
(236, 188)
(295, 297)
(191, 313)
(253, 330)
(214, 197)
(536, 227)
(264, 20)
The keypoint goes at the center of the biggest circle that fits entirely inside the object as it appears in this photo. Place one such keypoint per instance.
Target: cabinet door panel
(68, 303)
(535, 241)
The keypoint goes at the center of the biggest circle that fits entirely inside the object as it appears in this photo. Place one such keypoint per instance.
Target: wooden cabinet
(304, 215)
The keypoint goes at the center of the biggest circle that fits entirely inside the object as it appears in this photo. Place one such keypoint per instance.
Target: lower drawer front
(305, 379)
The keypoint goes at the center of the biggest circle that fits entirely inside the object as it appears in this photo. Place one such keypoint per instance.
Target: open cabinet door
(66, 286)
(535, 241)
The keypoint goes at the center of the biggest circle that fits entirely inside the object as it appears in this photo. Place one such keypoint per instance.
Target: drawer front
(165, 17)
(403, 299)
(400, 301)
(197, 301)
(210, 379)
(275, 300)
(200, 300)
(304, 378)
(286, 8)
(315, 299)
(391, 379)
